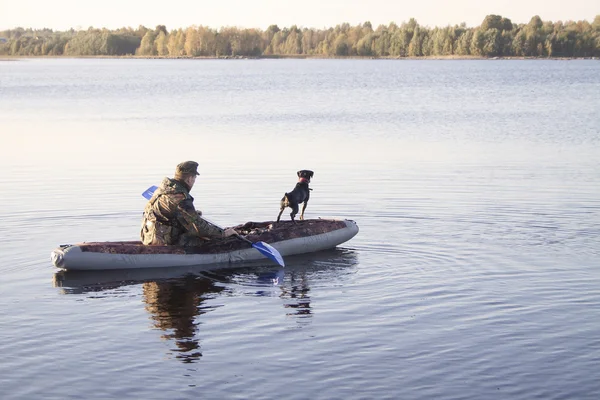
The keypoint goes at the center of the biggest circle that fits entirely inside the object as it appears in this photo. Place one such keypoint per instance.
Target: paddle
(264, 248)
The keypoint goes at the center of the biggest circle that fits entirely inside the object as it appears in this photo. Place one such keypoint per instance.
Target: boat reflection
(176, 298)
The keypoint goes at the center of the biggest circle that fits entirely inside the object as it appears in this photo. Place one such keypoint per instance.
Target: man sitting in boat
(170, 217)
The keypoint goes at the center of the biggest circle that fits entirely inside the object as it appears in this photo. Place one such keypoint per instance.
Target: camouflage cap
(187, 168)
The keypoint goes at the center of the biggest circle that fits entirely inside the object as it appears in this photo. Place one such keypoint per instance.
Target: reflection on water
(175, 298)
(296, 295)
(174, 306)
(293, 289)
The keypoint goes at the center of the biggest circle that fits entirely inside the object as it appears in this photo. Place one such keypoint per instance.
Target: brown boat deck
(269, 232)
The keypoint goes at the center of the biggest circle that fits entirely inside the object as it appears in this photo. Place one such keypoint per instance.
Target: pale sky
(112, 14)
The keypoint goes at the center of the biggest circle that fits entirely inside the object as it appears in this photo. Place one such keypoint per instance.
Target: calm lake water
(475, 275)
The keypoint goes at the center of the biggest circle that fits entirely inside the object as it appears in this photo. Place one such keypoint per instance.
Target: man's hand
(229, 232)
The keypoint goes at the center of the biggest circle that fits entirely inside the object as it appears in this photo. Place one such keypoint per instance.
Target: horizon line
(299, 26)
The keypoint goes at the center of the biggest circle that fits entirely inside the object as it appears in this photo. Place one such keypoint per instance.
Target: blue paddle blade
(149, 192)
(269, 251)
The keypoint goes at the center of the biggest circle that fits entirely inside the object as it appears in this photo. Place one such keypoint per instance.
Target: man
(170, 217)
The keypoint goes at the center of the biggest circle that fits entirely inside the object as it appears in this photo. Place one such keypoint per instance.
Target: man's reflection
(174, 306)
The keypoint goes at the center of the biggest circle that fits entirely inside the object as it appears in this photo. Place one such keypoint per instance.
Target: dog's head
(305, 174)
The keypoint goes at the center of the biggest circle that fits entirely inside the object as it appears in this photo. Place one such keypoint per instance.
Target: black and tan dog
(300, 194)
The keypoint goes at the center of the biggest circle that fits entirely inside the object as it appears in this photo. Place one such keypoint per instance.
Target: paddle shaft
(264, 248)
(237, 235)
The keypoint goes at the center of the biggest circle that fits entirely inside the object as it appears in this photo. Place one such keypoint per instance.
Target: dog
(300, 194)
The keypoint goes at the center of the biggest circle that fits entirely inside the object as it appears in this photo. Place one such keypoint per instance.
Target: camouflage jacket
(171, 219)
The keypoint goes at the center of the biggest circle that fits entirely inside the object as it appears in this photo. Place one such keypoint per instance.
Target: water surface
(476, 186)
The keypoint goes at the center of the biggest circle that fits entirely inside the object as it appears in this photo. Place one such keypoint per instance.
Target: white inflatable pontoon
(286, 237)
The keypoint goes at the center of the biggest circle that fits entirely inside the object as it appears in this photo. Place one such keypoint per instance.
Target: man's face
(191, 180)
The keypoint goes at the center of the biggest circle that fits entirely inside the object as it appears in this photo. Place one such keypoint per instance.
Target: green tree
(161, 44)
(519, 44)
(400, 41)
(506, 43)
(463, 43)
(496, 22)
(277, 43)
(207, 38)
(381, 43)
(340, 46)
(477, 47)
(293, 42)
(192, 42)
(309, 41)
(268, 38)
(147, 47)
(492, 43)
(364, 47)
(416, 43)
(222, 44)
(596, 23)
(159, 29)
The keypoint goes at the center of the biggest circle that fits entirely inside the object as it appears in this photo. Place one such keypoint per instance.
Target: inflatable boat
(287, 237)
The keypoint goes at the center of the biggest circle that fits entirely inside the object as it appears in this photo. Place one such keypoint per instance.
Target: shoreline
(299, 57)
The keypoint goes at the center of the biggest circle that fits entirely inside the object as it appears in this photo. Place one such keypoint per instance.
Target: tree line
(495, 37)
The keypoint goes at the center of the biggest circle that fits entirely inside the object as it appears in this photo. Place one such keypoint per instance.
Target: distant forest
(495, 37)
